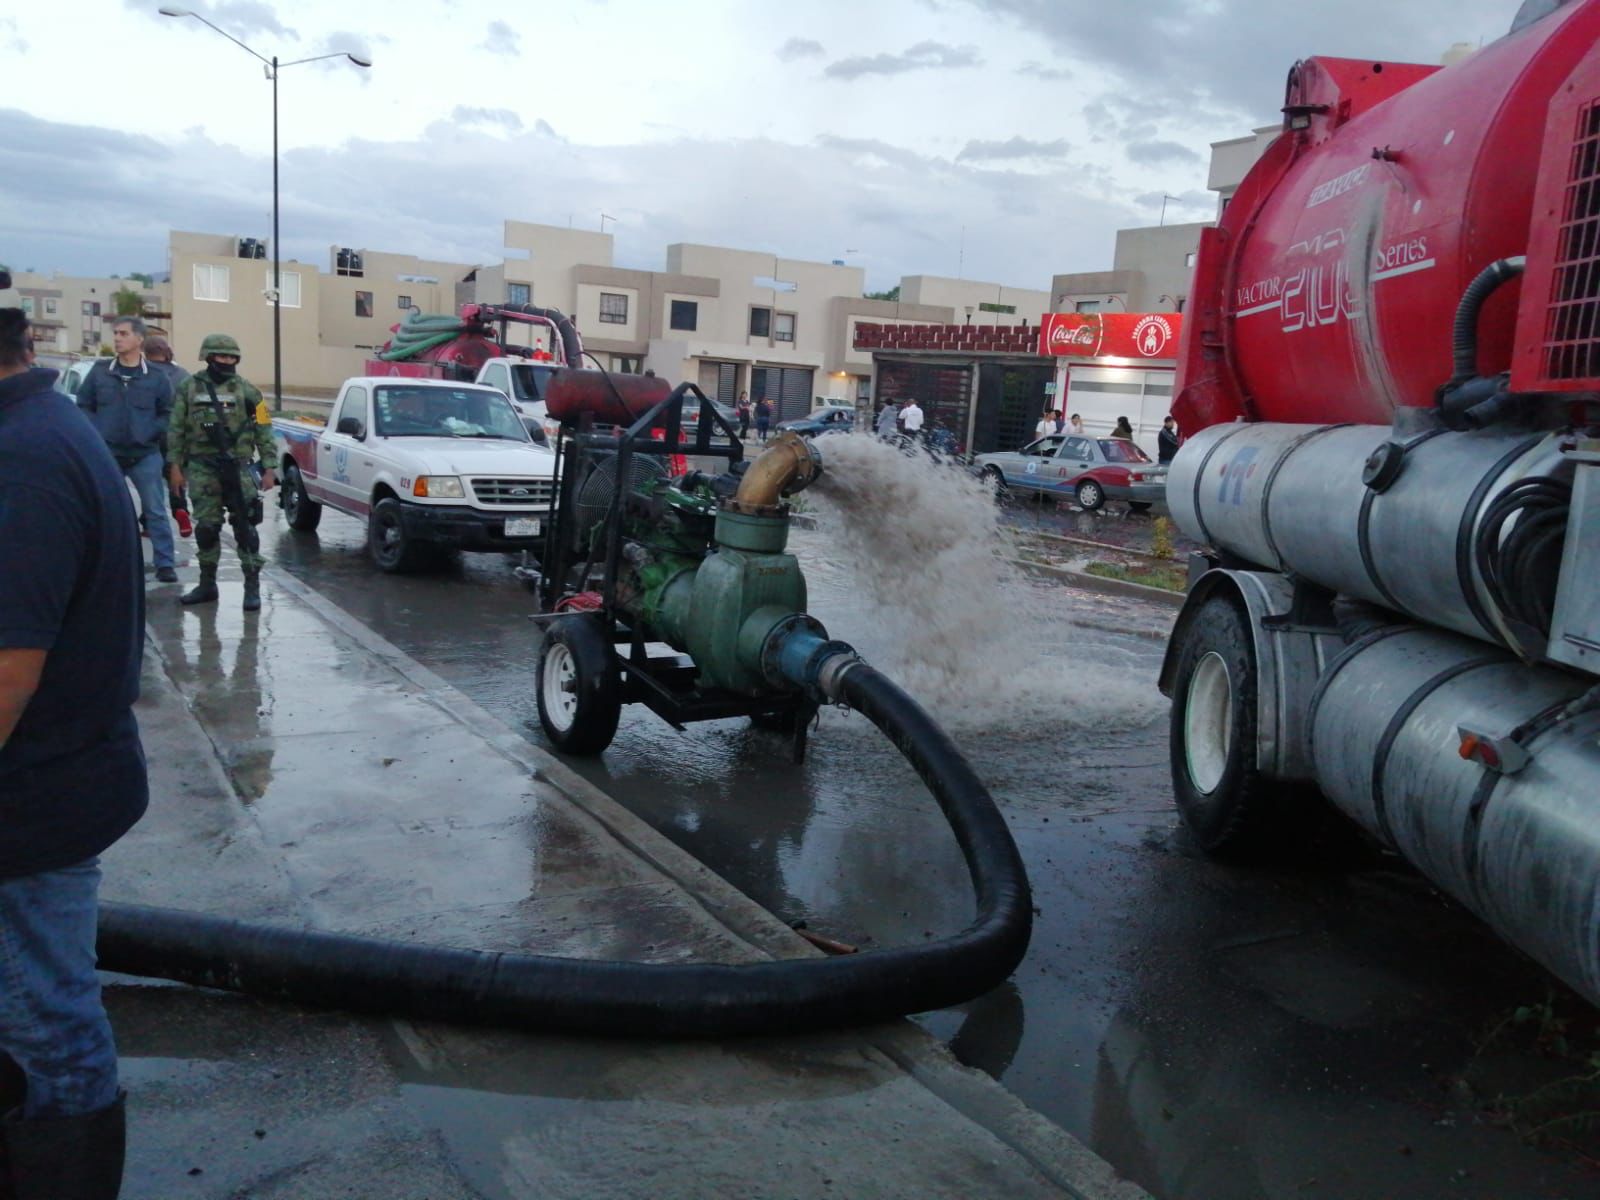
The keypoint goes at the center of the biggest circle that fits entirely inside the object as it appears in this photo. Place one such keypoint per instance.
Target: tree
(892, 294)
(145, 279)
(127, 302)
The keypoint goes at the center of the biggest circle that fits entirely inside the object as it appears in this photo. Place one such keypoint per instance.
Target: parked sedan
(1090, 470)
(830, 418)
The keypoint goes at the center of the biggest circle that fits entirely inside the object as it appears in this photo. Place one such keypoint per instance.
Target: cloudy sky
(995, 139)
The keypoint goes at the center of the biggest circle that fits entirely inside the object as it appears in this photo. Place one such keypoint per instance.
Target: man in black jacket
(129, 402)
(72, 775)
(1167, 441)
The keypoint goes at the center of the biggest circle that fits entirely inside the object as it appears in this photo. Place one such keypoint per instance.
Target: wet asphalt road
(1215, 1032)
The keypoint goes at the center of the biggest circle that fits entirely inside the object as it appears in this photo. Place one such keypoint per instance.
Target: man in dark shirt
(1167, 441)
(72, 774)
(129, 402)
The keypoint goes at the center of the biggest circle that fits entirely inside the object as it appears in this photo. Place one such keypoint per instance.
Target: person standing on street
(888, 415)
(1060, 421)
(158, 353)
(72, 775)
(1123, 430)
(911, 418)
(763, 417)
(130, 402)
(1075, 426)
(743, 413)
(1167, 441)
(219, 424)
(1046, 425)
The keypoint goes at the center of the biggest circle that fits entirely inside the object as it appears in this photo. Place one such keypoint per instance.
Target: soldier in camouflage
(219, 424)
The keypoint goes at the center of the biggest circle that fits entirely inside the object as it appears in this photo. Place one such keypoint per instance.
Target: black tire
(996, 481)
(299, 509)
(1138, 506)
(579, 686)
(1227, 804)
(387, 542)
(1090, 496)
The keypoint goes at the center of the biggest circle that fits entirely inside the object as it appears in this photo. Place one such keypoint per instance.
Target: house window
(783, 328)
(519, 293)
(626, 364)
(363, 304)
(1188, 259)
(403, 303)
(289, 292)
(211, 283)
(760, 322)
(685, 314)
(613, 308)
(49, 306)
(1086, 306)
(27, 306)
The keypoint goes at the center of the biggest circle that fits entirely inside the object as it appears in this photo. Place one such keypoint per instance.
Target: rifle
(244, 518)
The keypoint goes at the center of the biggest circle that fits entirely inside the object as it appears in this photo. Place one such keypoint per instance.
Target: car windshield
(1120, 450)
(446, 412)
(528, 381)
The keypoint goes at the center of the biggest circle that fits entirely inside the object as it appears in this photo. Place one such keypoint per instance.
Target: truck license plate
(522, 526)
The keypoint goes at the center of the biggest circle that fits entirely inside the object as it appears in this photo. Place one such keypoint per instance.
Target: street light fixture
(271, 66)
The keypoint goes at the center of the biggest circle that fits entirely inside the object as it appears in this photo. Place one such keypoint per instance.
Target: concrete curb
(1100, 583)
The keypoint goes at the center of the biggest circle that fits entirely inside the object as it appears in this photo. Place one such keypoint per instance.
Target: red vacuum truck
(1390, 374)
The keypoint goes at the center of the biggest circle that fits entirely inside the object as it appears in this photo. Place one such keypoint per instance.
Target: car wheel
(578, 686)
(1138, 506)
(388, 544)
(1090, 495)
(1226, 803)
(301, 511)
(995, 480)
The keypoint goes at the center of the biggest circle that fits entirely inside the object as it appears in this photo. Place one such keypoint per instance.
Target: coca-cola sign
(1111, 335)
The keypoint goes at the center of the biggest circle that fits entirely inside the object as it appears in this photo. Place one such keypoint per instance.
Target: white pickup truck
(428, 465)
(522, 381)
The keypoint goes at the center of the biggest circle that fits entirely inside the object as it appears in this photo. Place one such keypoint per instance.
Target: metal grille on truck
(1572, 332)
(521, 492)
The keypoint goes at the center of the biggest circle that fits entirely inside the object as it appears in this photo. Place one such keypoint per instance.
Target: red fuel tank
(1328, 290)
(613, 399)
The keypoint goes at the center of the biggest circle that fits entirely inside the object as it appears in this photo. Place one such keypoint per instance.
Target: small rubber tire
(579, 686)
(391, 549)
(994, 479)
(1139, 506)
(299, 509)
(1090, 496)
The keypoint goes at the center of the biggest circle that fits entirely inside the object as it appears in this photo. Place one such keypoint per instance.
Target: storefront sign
(1111, 335)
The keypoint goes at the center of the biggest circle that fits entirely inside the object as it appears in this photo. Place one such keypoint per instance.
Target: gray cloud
(62, 185)
(797, 47)
(1233, 55)
(1155, 153)
(922, 56)
(1012, 148)
(501, 39)
(503, 117)
(241, 18)
(1040, 71)
(11, 38)
(543, 127)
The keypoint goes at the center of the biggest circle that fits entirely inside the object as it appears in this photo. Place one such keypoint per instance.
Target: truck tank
(1390, 387)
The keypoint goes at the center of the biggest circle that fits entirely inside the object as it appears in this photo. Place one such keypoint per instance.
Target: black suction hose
(618, 998)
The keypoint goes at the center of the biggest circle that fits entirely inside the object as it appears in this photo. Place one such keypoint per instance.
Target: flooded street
(1213, 1031)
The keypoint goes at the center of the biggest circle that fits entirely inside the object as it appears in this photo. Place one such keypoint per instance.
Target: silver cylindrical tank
(1522, 850)
(1291, 497)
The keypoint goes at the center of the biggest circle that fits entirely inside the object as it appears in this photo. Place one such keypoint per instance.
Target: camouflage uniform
(248, 432)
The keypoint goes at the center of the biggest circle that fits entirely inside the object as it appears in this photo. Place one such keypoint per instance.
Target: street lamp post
(272, 66)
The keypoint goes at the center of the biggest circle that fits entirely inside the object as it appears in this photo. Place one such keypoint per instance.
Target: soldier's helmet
(219, 343)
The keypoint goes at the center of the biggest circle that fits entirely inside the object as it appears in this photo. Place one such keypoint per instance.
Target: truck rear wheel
(301, 511)
(388, 543)
(1226, 803)
(578, 686)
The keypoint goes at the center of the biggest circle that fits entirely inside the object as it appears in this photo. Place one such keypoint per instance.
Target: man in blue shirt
(129, 402)
(72, 774)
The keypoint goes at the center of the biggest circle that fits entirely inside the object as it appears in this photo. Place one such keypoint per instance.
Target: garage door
(789, 389)
(1102, 394)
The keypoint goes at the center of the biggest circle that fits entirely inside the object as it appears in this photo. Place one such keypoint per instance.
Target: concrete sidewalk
(306, 772)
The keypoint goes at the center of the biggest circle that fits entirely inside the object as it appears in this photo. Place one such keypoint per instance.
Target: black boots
(205, 591)
(252, 590)
(65, 1158)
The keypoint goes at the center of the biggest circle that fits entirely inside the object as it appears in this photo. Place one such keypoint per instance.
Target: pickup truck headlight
(440, 487)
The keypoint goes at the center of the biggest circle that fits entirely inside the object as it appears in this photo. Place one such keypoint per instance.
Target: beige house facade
(72, 314)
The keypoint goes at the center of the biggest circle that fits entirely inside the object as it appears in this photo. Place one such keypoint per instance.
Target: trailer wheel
(301, 511)
(1224, 800)
(388, 543)
(578, 686)
(1090, 495)
(995, 481)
